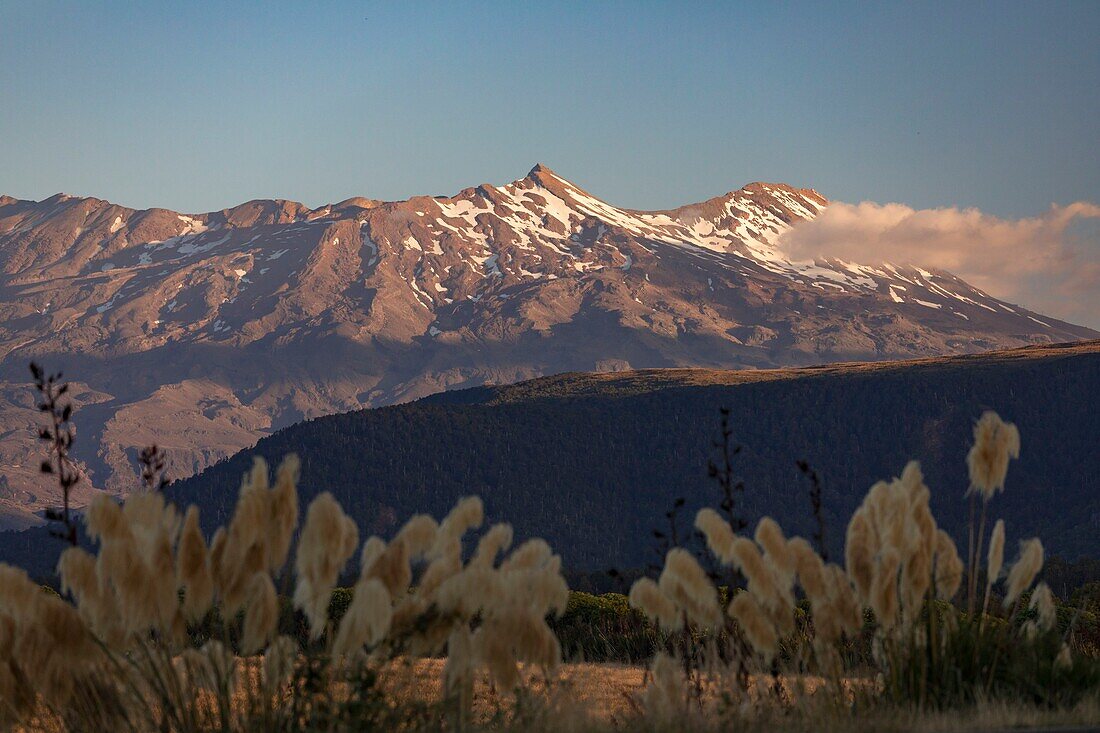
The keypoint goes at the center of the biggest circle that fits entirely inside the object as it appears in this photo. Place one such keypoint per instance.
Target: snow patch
(190, 247)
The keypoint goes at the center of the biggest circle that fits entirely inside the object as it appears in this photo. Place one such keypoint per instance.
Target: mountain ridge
(539, 173)
(204, 332)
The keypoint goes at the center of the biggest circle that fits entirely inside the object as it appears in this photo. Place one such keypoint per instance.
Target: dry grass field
(608, 697)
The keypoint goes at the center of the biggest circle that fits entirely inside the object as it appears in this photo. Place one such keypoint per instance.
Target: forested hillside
(593, 462)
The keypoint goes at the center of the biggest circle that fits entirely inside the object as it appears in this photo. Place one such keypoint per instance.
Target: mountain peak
(543, 176)
(539, 169)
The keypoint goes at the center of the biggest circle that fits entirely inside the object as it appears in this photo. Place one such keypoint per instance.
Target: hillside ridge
(595, 471)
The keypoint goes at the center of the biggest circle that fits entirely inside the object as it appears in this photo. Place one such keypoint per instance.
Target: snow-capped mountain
(203, 332)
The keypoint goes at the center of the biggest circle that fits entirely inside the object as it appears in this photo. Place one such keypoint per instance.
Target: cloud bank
(1049, 263)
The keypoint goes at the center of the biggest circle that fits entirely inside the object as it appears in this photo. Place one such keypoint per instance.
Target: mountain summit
(203, 332)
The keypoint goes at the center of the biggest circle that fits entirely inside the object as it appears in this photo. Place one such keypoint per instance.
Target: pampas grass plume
(750, 562)
(193, 573)
(148, 517)
(949, 567)
(811, 571)
(467, 514)
(770, 537)
(163, 577)
(367, 619)
(492, 649)
(843, 599)
(498, 539)
(77, 571)
(718, 533)
(438, 571)
(328, 539)
(283, 512)
(646, 596)
(916, 577)
(687, 583)
(531, 554)
(261, 616)
(372, 550)
(759, 631)
(392, 568)
(469, 591)
(104, 518)
(912, 481)
(884, 596)
(765, 583)
(859, 554)
(1042, 602)
(55, 648)
(533, 640)
(1024, 570)
(995, 442)
(252, 513)
(418, 535)
(539, 590)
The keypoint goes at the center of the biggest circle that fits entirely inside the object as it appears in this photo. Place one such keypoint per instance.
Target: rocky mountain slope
(204, 332)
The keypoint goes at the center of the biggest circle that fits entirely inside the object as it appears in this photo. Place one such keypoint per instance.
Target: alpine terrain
(202, 333)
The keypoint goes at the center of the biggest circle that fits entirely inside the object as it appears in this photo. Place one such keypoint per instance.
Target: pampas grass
(949, 567)
(756, 624)
(328, 540)
(647, 597)
(995, 442)
(166, 631)
(261, 614)
(686, 583)
(718, 533)
(1024, 570)
(193, 574)
(368, 618)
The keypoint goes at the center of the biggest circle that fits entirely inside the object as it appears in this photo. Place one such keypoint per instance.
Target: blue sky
(196, 106)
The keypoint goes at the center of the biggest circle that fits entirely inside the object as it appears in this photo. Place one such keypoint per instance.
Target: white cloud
(1049, 263)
